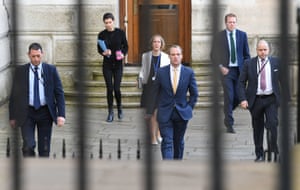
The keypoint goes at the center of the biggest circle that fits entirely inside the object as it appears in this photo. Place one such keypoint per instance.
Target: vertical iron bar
(16, 157)
(298, 89)
(285, 171)
(145, 33)
(80, 75)
(216, 153)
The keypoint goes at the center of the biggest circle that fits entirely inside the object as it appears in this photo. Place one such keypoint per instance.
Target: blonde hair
(162, 41)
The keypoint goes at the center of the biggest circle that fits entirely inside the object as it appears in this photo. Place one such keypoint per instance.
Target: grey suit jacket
(146, 64)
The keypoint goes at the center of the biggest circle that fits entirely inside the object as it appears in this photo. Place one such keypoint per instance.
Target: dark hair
(107, 16)
(229, 15)
(35, 46)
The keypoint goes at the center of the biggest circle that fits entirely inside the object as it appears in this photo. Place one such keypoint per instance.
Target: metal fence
(217, 168)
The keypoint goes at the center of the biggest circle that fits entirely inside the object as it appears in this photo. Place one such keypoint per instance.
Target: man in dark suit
(171, 86)
(37, 99)
(259, 90)
(229, 51)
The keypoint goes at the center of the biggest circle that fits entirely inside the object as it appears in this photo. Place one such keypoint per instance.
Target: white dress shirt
(41, 84)
(269, 89)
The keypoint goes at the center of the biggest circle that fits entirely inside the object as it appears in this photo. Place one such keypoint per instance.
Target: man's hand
(224, 70)
(12, 123)
(244, 104)
(147, 116)
(60, 121)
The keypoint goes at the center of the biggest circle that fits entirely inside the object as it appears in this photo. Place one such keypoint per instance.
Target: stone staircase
(96, 91)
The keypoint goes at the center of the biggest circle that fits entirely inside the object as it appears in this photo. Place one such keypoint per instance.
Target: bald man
(259, 91)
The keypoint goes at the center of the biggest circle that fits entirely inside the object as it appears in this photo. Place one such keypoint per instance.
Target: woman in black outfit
(113, 54)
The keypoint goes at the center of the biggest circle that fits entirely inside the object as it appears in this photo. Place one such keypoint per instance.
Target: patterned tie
(36, 95)
(232, 49)
(263, 76)
(174, 80)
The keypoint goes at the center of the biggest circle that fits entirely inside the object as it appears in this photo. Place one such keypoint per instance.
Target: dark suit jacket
(167, 100)
(248, 80)
(19, 98)
(221, 52)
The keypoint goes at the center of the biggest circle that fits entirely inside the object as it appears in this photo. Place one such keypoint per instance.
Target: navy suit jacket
(19, 98)
(167, 100)
(248, 81)
(220, 53)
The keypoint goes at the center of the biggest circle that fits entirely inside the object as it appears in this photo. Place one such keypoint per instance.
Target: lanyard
(262, 67)
(156, 65)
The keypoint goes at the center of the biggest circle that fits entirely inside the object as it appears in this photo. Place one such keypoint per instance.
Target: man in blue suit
(37, 99)
(229, 51)
(259, 89)
(175, 107)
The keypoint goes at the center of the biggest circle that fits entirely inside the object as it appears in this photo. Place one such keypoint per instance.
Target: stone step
(129, 99)
(132, 105)
(96, 90)
(131, 86)
(131, 73)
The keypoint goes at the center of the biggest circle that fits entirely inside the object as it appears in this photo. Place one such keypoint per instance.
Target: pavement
(237, 146)
(112, 172)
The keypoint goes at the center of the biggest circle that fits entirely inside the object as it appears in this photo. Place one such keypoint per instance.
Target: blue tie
(36, 95)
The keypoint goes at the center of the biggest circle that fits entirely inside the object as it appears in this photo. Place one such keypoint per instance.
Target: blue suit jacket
(167, 100)
(248, 81)
(220, 53)
(19, 98)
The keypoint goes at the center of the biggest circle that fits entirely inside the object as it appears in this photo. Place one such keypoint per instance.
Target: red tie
(263, 76)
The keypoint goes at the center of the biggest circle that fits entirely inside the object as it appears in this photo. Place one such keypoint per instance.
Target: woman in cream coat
(151, 61)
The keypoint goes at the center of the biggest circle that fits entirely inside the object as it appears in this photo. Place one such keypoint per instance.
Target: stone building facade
(5, 58)
(53, 23)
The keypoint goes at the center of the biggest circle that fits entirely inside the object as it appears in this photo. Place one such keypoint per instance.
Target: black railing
(216, 155)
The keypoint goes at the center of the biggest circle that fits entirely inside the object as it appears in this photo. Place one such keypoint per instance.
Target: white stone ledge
(62, 2)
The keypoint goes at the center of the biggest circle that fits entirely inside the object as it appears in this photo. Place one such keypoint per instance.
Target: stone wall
(54, 24)
(260, 19)
(5, 74)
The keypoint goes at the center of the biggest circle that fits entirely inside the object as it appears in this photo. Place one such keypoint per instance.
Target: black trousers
(42, 120)
(113, 77)
(264, 115)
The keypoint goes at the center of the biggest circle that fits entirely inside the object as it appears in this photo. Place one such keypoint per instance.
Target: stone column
(5, 58)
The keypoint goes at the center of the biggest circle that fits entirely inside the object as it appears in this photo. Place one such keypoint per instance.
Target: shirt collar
(33, 66)
(178, 68)
(233, 32)
(265, 60)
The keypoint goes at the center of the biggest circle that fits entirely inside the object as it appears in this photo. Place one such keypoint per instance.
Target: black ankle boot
(110, 116)
(120, 113)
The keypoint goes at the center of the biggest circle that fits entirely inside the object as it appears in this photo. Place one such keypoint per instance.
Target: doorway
(169, 18)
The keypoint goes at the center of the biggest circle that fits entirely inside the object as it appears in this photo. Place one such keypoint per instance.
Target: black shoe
(259, 159)
(110, 117)
(120, 114)
(230, 129)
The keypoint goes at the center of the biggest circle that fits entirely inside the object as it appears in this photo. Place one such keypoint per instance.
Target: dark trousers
(230, 90)
(264, 114)
(113, 77)
(41, 119)
(172, 132)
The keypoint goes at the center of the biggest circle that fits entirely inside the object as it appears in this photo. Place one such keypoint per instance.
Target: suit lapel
(148, 64)
(255, 69)
(237, 39)
(181, 76)
(272, 69)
